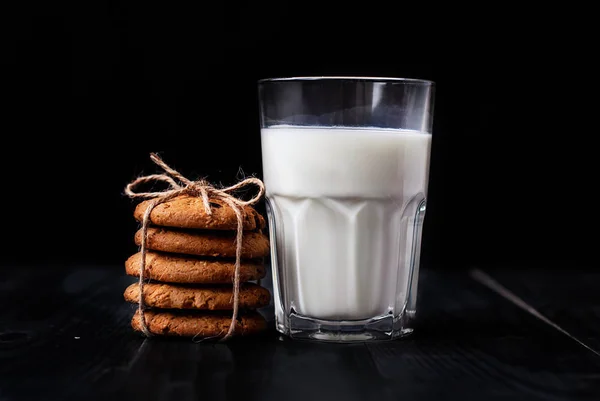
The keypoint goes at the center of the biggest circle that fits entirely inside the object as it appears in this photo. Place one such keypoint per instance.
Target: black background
(90, 88)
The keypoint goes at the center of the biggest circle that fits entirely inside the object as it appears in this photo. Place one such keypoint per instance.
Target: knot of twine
(207, 192)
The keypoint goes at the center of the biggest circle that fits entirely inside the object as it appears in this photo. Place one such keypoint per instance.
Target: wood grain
(65, 334)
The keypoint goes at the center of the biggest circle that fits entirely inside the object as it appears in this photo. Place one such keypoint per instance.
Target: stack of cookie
(190, 265)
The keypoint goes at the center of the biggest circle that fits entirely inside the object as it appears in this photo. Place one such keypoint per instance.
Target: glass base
(380, 328)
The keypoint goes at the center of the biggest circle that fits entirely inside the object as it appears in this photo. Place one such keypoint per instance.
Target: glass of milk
(345, 165)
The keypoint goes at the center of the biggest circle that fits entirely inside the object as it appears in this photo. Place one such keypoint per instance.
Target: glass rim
(349, 79)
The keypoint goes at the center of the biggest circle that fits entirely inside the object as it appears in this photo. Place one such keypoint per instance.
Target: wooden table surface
(65, 334)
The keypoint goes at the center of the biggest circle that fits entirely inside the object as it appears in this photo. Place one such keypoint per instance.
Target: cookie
(171, 268)
(198, 324)
(216, 297)
(188, 212)
(254, 245)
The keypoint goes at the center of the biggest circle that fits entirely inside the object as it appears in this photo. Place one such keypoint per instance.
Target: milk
(344, 205)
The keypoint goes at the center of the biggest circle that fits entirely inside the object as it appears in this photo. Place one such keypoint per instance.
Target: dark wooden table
(64, 334)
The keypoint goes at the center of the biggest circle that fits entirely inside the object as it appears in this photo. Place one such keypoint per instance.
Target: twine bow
(207, 192)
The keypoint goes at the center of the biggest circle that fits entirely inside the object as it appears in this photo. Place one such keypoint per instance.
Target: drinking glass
(345, 165)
